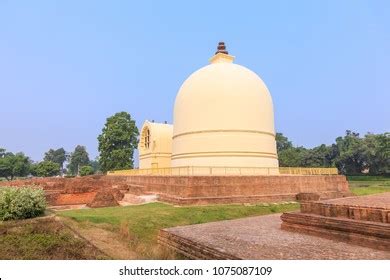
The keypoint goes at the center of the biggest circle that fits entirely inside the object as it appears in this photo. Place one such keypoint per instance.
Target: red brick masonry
(258, 238)
(186, 190)
(360, 220)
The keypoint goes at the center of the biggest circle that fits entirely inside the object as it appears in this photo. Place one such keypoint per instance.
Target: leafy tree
(287, 154)
(378, 153)
(282, 142)
(78, 158)
(321, 156)
(2, 152)
(117, 142)
(351, 154)
(57, 156)
(352, 150)
(291, 157)
(86, 170)
(95, 165)
(13, 165)
(45, 169)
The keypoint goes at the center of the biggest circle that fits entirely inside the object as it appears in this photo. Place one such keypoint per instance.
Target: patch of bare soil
(109, 242)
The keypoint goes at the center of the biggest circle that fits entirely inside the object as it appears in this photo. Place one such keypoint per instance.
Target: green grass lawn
(365, 185)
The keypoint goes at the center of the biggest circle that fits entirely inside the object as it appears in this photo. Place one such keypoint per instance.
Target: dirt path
(106, 241)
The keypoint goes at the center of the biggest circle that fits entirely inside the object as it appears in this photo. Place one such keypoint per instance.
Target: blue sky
(65, 66)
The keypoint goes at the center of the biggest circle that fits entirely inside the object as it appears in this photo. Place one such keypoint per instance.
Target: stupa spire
(221, 55)
(221, 48)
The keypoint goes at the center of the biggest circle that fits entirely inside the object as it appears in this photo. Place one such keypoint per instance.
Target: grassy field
(43, 240)
(365, 185)
(141, 223)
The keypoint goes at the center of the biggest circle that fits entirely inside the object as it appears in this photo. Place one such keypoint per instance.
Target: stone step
(360, 232)
(131, 199)
(191, 249)
(348, 211)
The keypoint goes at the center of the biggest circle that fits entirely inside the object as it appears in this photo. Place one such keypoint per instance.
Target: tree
(282, 142)
(352, 158)
(95, 165)
(78, 158)
(288, 155)
(13, 165)
(2, 152)
(321, 156)
(291, 157)
(117, 142)
(351, 154)
(45, 169)
(378, 153)
(86, 170)
(57, 156)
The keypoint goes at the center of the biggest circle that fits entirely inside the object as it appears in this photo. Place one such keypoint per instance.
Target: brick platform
(374, 208)
(191, 190)
(200, 190)
(258, 238)
(360, 220)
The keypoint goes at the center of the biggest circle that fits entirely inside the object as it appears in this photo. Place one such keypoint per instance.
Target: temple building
(223, 117)
(155, 145)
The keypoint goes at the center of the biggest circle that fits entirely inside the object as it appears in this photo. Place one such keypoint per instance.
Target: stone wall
(68, 191)
(184, 190)
(239, 189)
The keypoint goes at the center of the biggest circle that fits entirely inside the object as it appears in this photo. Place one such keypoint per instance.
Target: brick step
(191, 249)
(354, 212)
(133, 189)
(226, 199)
(132, 199)
(364, 233)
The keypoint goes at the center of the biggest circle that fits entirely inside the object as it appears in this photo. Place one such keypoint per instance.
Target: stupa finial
(221, 48)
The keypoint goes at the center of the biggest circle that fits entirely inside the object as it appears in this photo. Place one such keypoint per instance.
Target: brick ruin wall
(72, 191)
(186, 189)
(239, 189)
(364, 221)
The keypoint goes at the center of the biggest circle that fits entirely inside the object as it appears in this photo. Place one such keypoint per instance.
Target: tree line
(53, 164)
(117, 142)
(351, 154)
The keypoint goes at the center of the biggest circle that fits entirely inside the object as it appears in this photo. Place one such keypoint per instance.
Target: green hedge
(21, 203)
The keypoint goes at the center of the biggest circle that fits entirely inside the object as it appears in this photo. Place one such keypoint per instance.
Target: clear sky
(65, 66)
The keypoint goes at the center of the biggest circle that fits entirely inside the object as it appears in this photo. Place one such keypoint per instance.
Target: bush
(45, 169)
(21, 203)
(86, 170)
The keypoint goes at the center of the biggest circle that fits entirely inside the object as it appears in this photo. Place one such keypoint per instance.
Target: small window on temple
(147, 138)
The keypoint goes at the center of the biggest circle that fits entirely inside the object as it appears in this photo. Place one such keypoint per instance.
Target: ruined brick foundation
(188, 190)
(364, 221)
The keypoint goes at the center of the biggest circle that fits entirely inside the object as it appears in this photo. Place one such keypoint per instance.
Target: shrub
(21, 203)
(45, 169)
(86, 170)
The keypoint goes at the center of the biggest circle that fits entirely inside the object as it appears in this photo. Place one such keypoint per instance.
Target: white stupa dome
(223, 116)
